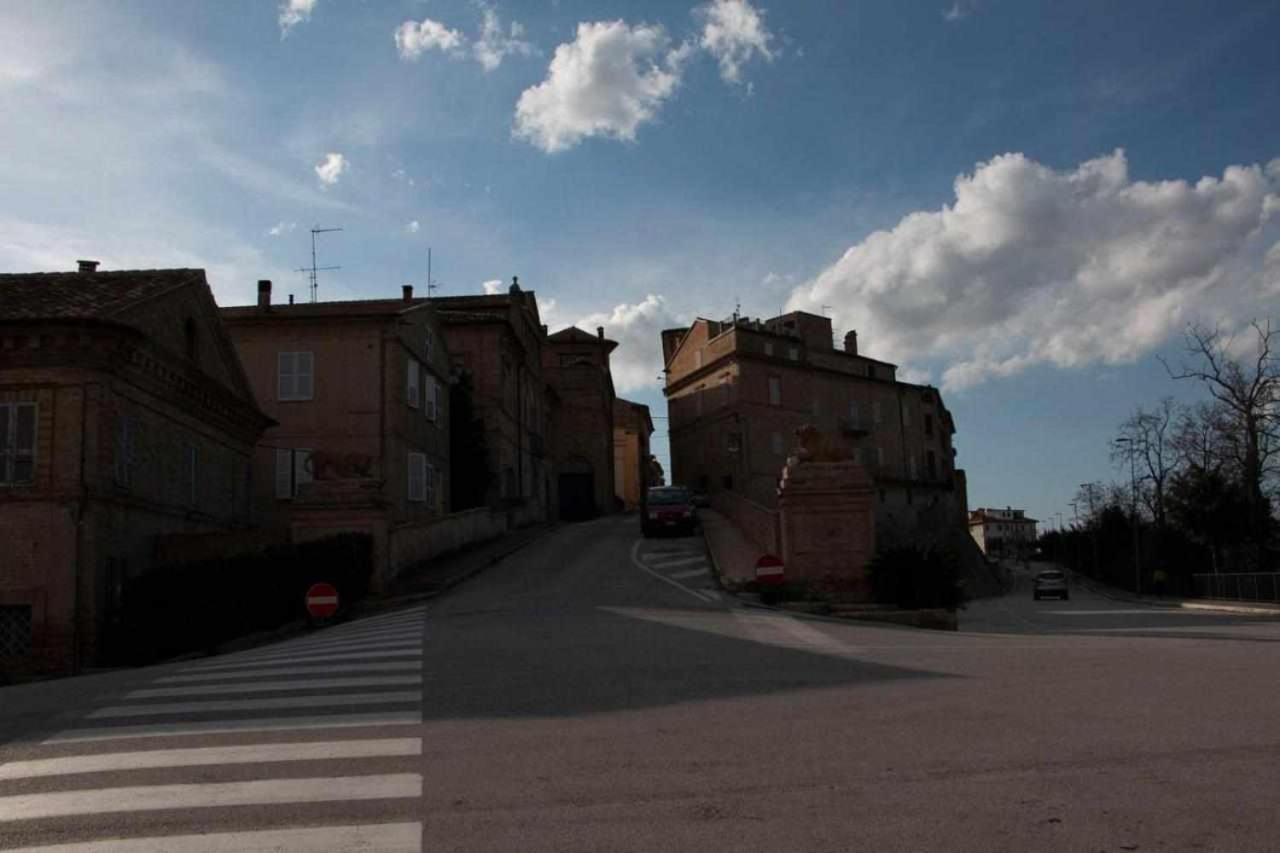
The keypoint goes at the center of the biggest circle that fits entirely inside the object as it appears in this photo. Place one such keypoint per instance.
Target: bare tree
(1146, 449)
(1198, 442)
(1249, 392)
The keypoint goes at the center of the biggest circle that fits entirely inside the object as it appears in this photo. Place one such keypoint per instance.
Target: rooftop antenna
(826, 310)
(313, 269)
(737, 309)
(432, 287)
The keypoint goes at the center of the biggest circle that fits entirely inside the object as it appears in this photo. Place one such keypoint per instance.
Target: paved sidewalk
(733, 557)
(1260, 608)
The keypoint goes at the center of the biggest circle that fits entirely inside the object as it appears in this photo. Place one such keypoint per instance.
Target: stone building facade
(576, 365)
(1002, 532)
(498, 340)
(125, 417)
(738, 390)
(632, 463)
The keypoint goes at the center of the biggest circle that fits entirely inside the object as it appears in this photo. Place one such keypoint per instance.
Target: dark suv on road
(668, 508)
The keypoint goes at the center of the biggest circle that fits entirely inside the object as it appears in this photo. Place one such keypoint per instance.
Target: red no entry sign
(322, 600)
(769, 570)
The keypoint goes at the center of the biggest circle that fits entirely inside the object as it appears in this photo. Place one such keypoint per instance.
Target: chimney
(290, 298)
(851, 343)
(87, 266)
(264, 293)
(600, 332)
(407, 289)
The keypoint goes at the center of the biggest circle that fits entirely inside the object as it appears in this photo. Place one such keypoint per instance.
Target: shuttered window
(295, 380)
(417, 477)
(17, 443)
(412, 383)
(291, 471)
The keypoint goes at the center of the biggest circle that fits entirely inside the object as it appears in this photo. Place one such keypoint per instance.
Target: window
(427, 341)
(294, 376)
(192, 455)
(192, 342)
(928, 424)
(412, 383)
(429, 480)
(292, 471)
(431, 398)
(775, 443)
(768, 347)
(17, 443)
(123, 450)
(875, 411)
(853, 413)
(775, 391)
(931, 465)
(793, 353)
(417, 477)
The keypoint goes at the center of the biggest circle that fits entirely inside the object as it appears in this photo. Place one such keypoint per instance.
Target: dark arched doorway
(577, 483)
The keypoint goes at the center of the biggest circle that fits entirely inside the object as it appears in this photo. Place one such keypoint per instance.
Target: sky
(1022, 203)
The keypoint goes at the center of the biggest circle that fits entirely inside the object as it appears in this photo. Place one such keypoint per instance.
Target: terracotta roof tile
(76, 295)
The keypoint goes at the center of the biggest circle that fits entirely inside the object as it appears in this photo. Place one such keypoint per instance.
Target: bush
(196, 606)
(914, 578)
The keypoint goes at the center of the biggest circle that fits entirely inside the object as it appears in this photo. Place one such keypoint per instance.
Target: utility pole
(1133, 512)
(313, 269)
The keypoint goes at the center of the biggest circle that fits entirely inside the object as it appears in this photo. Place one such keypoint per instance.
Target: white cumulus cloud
(494, 286)
(331, 168)
(413, 38)
(608, 81)
(637, 327)
(281, 228)
(413, 227)
(1030, 265)
(733, 31)
(496, 42)
(294, 12)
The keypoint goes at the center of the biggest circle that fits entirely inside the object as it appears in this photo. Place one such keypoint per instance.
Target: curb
(1209, 606)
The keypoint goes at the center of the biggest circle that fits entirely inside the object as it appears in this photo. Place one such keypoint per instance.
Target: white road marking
(1146, 611)
(280, 671)
(691, 573)
(328, 648)
(389, 698)
(214, 755)
(379, 837)
(304, 658)
(711, 594)
(273, 686)
(268, 724)
(776, 629)
(210, 795)
(635, 559)
(673, 564)
(405, 635)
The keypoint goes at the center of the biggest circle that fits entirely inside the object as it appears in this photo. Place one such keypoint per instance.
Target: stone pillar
(827, 516)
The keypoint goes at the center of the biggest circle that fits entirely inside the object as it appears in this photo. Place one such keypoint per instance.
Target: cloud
(493, 287)
(495, 43)
(637, 327)
(413, 38)
(331, 168)
(608, 81)
(294, 12)
(413, 227)
(733, 31)
(956, 13)
(1031, 266)
(281, 228)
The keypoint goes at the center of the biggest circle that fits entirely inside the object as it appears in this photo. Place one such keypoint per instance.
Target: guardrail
(1239, 586)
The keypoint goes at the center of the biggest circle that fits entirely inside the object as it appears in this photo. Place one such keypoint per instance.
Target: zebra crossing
(304, 745)
(683, 563)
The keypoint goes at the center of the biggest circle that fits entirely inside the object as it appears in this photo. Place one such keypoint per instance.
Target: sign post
(322, 601)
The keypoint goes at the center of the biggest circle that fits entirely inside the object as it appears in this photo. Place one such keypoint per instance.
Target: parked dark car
(668, 509)
(1052, 582)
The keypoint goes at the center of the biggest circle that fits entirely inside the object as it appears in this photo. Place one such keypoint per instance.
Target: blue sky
(1023, 203)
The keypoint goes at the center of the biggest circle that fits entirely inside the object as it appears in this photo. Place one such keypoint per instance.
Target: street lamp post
(1133, 486)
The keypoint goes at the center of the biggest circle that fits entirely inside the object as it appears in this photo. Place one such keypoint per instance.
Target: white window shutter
(285, 389)
(284, 473)
(303, 380)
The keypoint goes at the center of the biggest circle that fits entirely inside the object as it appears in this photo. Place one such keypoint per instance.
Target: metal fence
(1239, 586)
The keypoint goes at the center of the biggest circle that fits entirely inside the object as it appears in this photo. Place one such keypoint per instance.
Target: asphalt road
(595, 694)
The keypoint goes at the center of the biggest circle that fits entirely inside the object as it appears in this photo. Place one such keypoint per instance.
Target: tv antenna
(313, 269)
(432, 287)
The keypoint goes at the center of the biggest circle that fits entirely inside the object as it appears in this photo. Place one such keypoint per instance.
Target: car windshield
(1049, 576)
(660, 497)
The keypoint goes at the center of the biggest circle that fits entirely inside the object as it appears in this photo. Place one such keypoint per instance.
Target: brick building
(498, 340)
(576, 366)
(632, 459)
(366, 382)
(737, 390)
(999, 532)
(125, 416)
